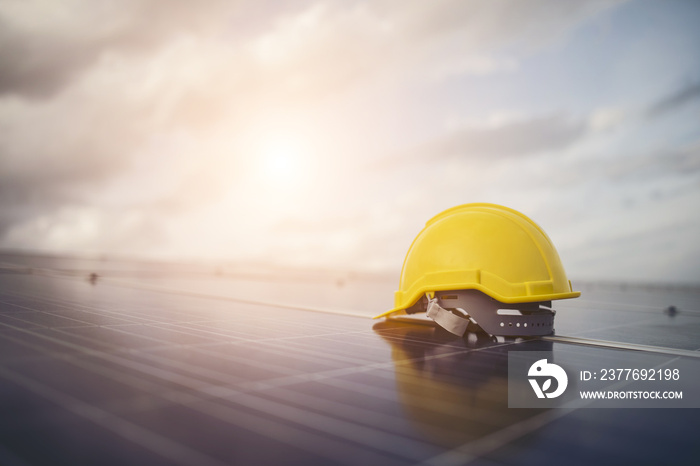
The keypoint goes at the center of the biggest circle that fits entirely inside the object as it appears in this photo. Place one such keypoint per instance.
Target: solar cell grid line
(222, 343)
(390, 366)
(336, 451)
(172, 451)
(610, 327)
(310, 355)
(127, 349)
(34, 309)
(244, 341)
(597, 324)
(380, 394)
(223, 300)
(411, 342)
(339, 380)
(298, 360)
(182, 338)
(123, 315)
(203, 373)
(149, 357)
(345, 347)
(357, 413)
(337, 409)
(195, 294)
(289, 366)
(376, 391)
(280, 318)
(611, 306)
(652, 298)
(165, 377)
(307, 376)
(175, 328)
(222, 328)
(680, 337)
(143, 384)
(206, 338)
(695, 353)
(263, 336)
(285, 317)
(135, 286)
(43, 320)
(620, 315)
(191, 327)
(668, 331)
(151, 370)
(290, 391)
(135, 314)
(477, 420)
(101, 370)
(354, 412)
(620, 448)
(337, 372)
(407, 405)
(35, 322)
(367, 436)
(470, 451)
(240, 328)
(69, 305)
(328, 422)
(228, 335)
(113, 339)
(344, 350)
(52, 298)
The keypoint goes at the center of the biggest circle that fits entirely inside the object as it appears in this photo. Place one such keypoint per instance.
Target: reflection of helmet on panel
(485, 264)
(450, 394)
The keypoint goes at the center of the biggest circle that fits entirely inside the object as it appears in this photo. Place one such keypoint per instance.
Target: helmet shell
(485, 247)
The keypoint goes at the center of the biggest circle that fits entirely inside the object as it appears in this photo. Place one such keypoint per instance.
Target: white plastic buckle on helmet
(494, 317)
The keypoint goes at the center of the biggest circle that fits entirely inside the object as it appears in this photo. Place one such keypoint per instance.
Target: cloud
(607, 118)
(682, 161)
(610, 117)
(519, 137)
(142, 126)
(50, 157)
(489, 23)
(675, 100)
(473, 65)
(44, 45)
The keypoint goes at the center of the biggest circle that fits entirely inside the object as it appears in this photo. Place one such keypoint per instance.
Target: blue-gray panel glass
(155, 364)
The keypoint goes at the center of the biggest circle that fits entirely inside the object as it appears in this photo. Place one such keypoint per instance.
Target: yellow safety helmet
(485, 264)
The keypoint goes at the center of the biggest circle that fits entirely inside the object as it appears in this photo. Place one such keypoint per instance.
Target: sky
(324, 134)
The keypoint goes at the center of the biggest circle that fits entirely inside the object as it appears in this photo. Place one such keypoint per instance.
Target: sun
(282, 163)
(279, 162)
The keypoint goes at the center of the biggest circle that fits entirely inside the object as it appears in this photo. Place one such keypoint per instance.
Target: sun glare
(282, 163)
(279, 163)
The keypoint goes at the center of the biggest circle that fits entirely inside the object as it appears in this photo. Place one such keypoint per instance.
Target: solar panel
(155, 364)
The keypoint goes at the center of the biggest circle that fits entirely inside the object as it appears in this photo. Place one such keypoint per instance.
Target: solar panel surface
(156, 364)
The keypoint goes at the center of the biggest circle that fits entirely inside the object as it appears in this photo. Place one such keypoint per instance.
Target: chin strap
(495, 318)
(445, 319)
